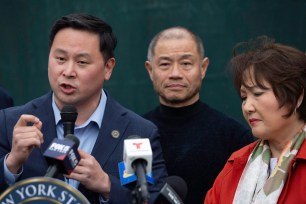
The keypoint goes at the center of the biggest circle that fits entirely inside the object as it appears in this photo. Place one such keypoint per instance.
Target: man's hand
(89, 173)
(25, 138)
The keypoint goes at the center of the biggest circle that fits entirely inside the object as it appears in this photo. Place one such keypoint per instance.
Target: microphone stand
(140, 192)
(136, 197)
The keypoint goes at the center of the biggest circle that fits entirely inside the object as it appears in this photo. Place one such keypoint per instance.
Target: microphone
(62, 156)
(69, 115)
(173, 192)
(137, 158)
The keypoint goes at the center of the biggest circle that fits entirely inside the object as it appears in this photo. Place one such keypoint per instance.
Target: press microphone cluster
(62, 155)
(137, 166)
(137, 158)
(174, 191)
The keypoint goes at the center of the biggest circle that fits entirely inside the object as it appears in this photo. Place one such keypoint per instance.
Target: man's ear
(109, 66)
(149, 69)
(204, 67)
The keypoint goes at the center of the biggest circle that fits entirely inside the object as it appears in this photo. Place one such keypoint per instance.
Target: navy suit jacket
(107, 150)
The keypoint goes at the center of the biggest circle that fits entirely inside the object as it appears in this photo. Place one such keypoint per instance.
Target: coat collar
(243, 153)
(302, 152)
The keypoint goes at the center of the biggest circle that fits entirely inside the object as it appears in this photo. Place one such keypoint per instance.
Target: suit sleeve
(4, 149)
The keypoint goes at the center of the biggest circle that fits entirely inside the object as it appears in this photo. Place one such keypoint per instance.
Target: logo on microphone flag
(126, 178)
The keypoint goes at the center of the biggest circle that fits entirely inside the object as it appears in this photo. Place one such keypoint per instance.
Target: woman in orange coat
(271, 80)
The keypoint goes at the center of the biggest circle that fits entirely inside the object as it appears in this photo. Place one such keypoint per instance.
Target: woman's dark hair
(89, 23)
(283, 67)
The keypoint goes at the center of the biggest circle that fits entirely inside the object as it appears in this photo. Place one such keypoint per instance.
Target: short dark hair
(81, 21)
(282, 66)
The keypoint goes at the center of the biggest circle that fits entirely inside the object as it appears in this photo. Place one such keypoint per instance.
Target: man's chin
(66, 99)
(175, 101)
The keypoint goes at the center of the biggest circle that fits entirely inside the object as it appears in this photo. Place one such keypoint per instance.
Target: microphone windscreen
(179, 185)
(69, 108)
(69, 113)
(133, 137)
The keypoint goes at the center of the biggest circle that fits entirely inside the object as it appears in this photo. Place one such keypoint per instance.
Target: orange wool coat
(225, 185)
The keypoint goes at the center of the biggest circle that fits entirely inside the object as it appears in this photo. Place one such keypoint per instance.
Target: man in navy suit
(6, 100)
(81, 58)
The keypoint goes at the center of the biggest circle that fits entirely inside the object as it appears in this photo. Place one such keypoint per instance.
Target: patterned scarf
(255, 184)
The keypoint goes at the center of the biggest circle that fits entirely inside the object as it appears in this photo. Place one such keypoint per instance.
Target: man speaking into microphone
(81, 58)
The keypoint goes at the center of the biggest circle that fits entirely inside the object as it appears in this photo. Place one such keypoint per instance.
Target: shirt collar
(96, 117)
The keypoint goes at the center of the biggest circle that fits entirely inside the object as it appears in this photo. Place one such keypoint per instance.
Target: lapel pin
(115, 134)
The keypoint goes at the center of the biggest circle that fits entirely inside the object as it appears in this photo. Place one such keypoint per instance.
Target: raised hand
(25, 138)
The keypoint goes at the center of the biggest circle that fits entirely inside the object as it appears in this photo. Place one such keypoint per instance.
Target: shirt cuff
(9, 177)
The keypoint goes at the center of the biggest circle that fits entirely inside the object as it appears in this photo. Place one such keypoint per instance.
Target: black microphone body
(63, 156)
(69, 115)
(53, 171)
(140, 170)
(137, 157)
(174, 191)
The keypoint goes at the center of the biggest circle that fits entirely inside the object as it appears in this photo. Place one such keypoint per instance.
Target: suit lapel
(43, 110)
(113, 122)
(45, 113)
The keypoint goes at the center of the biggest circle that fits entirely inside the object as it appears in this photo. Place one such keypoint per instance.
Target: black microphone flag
(62, 155)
